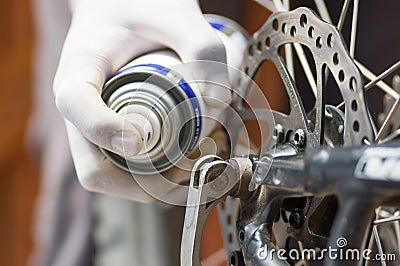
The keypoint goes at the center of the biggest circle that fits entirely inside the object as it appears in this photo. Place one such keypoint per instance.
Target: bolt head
(340, 129)
(299, 138)
(279, 133)
(296, 218)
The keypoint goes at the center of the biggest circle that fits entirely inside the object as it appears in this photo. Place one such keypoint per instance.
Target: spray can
(163, 105)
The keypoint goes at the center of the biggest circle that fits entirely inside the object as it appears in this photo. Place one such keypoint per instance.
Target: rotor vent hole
(284, 28)
(259, 46)
(356, 126)
(293, 31)
(241, 236)
(230, 238)
(268, 42)
(303, 20)
(275, 24)
(353, 83)
(251, 50)
(311, 32)
(341, 75)
(233, 261)
(318, 42)
(354, 105)
(329, 40)
(335, 59)
(229, 220)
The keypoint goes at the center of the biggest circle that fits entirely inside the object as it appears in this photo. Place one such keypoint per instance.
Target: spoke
(323, 10)
(397, 230)
(372, 122)
(378, 243)
(299, 263)
(387, 220)
(279, 6)
(377, 80)
(343, 14)
(381, 84)
(354, 28)
(286, 4)
(385, 214)
(392, 136)
(388, 118)
(370, 246)
(301, 248)
(384, 74)
(289, 59)
(306, 67)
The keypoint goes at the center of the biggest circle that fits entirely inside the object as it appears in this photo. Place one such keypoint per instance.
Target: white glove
(103, 36)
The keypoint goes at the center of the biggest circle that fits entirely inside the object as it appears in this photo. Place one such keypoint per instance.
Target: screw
(300, 138)
(236, 258)
(279, 133)
(340, 129)
(241, 236)
(296, 219)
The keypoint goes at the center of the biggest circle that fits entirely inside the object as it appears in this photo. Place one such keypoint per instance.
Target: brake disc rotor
(303, 26)
(329, 125)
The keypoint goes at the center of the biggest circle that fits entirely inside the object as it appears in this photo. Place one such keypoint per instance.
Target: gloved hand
(103, 36)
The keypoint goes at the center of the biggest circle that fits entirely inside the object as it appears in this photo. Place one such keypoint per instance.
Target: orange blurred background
(18, 174)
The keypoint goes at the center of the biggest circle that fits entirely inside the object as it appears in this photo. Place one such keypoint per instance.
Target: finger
(85, 63)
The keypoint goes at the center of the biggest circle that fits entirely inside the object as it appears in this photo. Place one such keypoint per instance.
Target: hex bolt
(340, 129)
(279, 133)
(299, 138)
(296, 219)
(236, 258)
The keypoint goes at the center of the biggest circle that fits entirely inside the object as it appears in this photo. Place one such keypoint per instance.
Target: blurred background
(19, 160)
(18, 171)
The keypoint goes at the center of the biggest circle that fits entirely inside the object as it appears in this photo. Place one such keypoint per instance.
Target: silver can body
(165, 107)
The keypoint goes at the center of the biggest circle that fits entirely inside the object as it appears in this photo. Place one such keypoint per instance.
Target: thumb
(77, 84)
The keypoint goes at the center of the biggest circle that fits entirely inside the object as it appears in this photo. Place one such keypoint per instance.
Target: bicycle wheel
(353, 117)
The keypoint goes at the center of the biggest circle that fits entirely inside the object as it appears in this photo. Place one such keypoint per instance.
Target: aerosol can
(163, 105)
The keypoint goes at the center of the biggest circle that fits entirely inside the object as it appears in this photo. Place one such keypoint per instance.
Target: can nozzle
(146, 122)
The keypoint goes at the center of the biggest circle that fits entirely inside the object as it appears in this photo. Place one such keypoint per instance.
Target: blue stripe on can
(197, 114)
(217, 26)
(154, 67)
